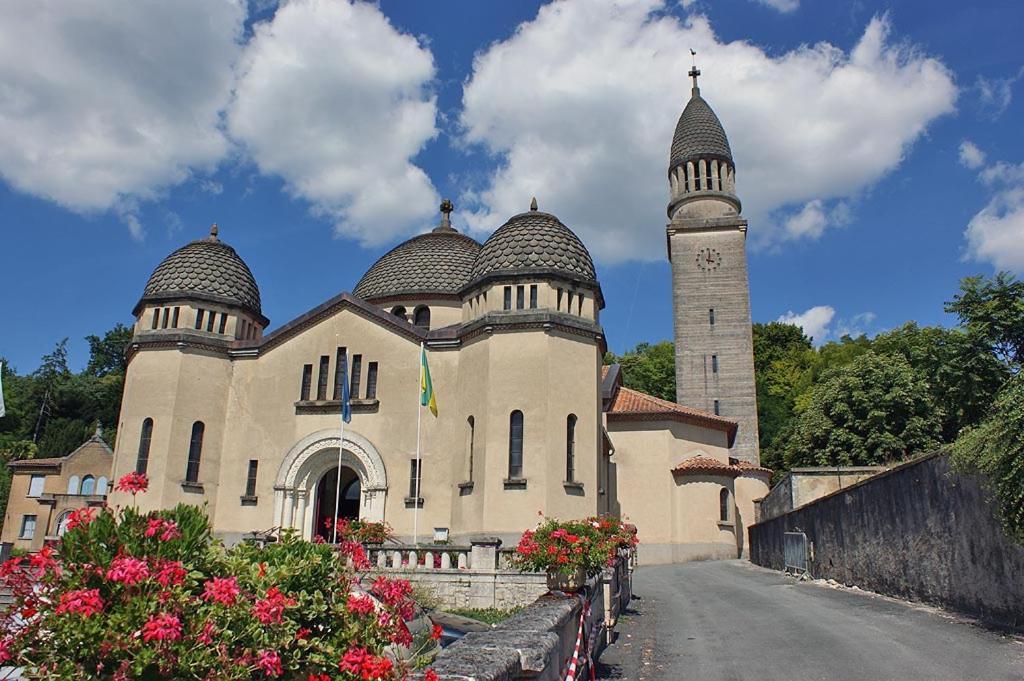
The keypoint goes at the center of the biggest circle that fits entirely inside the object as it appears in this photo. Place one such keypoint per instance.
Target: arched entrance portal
(348, 508)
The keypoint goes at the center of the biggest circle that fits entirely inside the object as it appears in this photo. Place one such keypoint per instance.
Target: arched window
(471, 422)
(398, 311)
(101, 485)
(73, 484)
(88, 485)
(570, 448)
(421, 317)
(142, 460)
(195, 452)
(62, 523)
(515, 445)
(724, 510)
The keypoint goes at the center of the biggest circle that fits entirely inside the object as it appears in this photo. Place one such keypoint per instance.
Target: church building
(221, 409)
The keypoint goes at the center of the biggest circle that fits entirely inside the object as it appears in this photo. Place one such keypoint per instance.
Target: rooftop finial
(694, 72)
(99, 430)
(446, 217)
(533, 204)
(213, 231)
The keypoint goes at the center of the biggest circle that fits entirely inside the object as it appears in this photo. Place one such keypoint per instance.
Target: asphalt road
(732, 621)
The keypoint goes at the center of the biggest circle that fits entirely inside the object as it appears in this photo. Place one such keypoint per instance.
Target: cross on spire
(446, 217)
(694, 72)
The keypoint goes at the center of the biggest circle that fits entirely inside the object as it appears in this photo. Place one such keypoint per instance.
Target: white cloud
(995, 94)
(855, 326)
(103, 104)
(970, 155)
(579, 105)
(814, 321)
(996, 233)
(334, 100)
(781, 5)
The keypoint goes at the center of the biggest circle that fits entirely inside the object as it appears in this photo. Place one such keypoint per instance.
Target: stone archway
(306, 463)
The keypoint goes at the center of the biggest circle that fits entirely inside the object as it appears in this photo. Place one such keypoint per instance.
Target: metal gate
(794, 548)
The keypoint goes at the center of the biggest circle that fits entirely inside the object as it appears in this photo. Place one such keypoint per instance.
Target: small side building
(45, 491)
(800, 486)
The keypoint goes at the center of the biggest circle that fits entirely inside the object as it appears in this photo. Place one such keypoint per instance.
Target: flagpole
(341, 447)
(419, 470)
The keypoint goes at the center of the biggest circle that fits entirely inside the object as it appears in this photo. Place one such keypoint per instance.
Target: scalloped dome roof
(534, 241)
(699, 134)
(438, 262)
(206, 269)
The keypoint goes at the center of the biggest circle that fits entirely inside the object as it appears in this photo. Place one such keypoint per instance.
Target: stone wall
(803, 485)
(456, 588)
(918, 531)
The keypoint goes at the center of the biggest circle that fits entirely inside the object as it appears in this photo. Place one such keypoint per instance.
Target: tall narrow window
(520, 297)
(507, 305)
(339, 372)
(174, 318)
(156, 318)
(195, 452)
(28, 527)
(210, 320)
(471, 422)
(223, 323)
(421, 317)
(515, 445)
(357, 373)
(533, 296)
(570, 448)
(321, 378)
(723, 505)
(415, 473)
(714, 364)
(580, 313)
(718, 410)
(74, 484)
(371, 380)
(88, 485)
(568, 302)
(307, 381)
(711, 316)
(142, 459)
(250, 478)
(199, 318)
(35, 485)
(167, 318)
(558, 303)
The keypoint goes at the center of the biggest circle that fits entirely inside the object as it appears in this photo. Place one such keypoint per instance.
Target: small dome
(534, 241)
(699, 134)
(438, 262)
(207, 269)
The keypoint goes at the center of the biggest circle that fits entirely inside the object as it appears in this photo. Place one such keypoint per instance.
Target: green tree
(107, 354)
(873, 410)
(993, 311)
(782, 354)
(649, 368)
(996, 449)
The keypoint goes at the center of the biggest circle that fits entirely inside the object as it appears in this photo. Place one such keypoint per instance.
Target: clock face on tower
(708, 259)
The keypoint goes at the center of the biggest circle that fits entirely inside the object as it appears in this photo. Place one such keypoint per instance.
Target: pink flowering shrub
(128, 595)
(569, 545)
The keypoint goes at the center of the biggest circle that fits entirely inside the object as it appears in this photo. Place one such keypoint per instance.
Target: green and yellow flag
(427, 397)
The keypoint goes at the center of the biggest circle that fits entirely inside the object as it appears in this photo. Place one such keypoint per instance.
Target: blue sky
(878, 147)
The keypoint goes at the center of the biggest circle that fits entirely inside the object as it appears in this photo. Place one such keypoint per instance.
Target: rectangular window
(339, 372)
(568, 302)
(199, 318)
(714, 364)
(515, 445)
(174, 319)
(415, 473)
(472, 441)
(210, 320)
(321, 379)
(167, 318)
(250, 479)
(28, 527)
(520, 297)
(533, 296)
(558, 304)
(223, 323)
(195, 452)
(371, 381)
(35, 486)
(581, 297)
(357, 373)
(718, 410)
(508, 298)
(156, 318)
(711, 316)
(307, 380)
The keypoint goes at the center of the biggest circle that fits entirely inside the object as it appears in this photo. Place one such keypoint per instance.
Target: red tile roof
(629, 404)
(748, 467)
(705, 465)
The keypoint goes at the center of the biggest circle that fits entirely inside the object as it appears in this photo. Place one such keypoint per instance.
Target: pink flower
(167, 529)
(169, 573)
(365, 664)
(223, 590)
(84, 602)
(78, 518)
(269, 662)
(43, 561)
(206, 635)
(162, 627)
(359, 604)
(128, 570)
(356, 552)
(133, 483)
(394, 592)
(271, 609)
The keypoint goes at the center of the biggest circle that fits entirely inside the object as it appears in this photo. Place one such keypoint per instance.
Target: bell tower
(710, 291)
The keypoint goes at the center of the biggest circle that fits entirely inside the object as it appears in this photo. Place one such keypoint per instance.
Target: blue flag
(346, 403)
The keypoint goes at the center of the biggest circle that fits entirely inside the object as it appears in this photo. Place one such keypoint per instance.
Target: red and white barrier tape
(581, 653)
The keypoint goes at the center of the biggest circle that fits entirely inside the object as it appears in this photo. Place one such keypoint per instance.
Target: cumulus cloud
(814, 321)
(996, 233)
(579, 106)
(970, 155)
(781, 5)
(336, 101)
(103, 104)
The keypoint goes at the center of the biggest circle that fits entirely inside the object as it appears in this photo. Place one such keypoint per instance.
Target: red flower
(270, 609)
(162, 627)
(431, 675)
(318, 677)
(302, 634)
(356, 552)
(78, 517)
(133, 483)
(359, 604)
(223, 590)
(367, 665)
(269, 662)
(169, 573)
(167, 529)
(43, 561)
(206, 635)
(436, 632)
(84, 602)
(128, 570)
(394, 592)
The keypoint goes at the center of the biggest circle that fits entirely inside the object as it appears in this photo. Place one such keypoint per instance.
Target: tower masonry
(710, 291)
